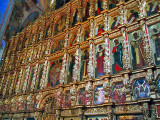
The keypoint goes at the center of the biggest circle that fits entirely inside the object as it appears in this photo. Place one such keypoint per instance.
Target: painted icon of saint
(137, 49)
(133, 16)
(99, 7)
(153, 8)
(117, 55)
(156, 39)
(84, 65)
(100, 30)
(99, 61)
(116, 23)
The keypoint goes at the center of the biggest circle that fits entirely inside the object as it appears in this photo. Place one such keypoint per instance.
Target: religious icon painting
(99, 96)
(99, 29)
(84, 64)
(137, 49)
(118, 94)
(98, 7)
(86, 7)
(54, 73)
(132, 15)
(116, 55)
(130, 117)
(158, 85)
(113, 4)
(99, 66)
(115, 22)
(70, 68)
(82, 97)
(154, 32)
(60, 24)
(72, 39)
(53, 46)
(74, 17)
(85, 33)
(67, 102)
(59, 45)
(152, 8)
(31, 78)
(141, 89)
(97, 118)
(41, 68)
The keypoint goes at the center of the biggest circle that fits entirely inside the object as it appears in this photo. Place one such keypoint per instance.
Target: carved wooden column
(19, 82)
(35, 78)
(105, 4)
(12, 84)
(44, 78)
(91, 50)
(6, 84)
(26, 79)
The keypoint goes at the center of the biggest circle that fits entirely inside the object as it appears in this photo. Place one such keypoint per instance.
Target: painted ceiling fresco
(24, 12)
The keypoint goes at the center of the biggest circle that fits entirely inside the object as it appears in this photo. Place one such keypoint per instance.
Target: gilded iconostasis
(85, 60)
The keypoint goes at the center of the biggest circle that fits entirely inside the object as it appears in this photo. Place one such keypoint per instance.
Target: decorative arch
(44, 100)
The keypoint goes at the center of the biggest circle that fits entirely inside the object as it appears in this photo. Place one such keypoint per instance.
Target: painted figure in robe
(86, 12)
(99, 7)
(117, 55)
(116, 23)
(100, 30)
(84, 63)
(156, 39)
(137, 49)
(71, 66)
(134, 15)
(99, 61)
(153, 8)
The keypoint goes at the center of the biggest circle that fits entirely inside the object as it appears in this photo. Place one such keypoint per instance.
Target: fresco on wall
(82, 97)
(2, 47)
(74, 19)
(158, 85)
(152, 8)
(67, 102)
(98, 7)
(97, 118)
(116, 55)
(85, 7)
(99, 96)
(99, 60)
(31, 78)
(54, 73)
(23, 14)
(84, 64)
(72, 39)
(132, 15)
(60, 24)
(118, 94)
(141, 89)
(155, 38)
(99, 29)
(40, 75)
(112, 4)
(70, 68)
(131, 117)
(115, 22)
(137, 49)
